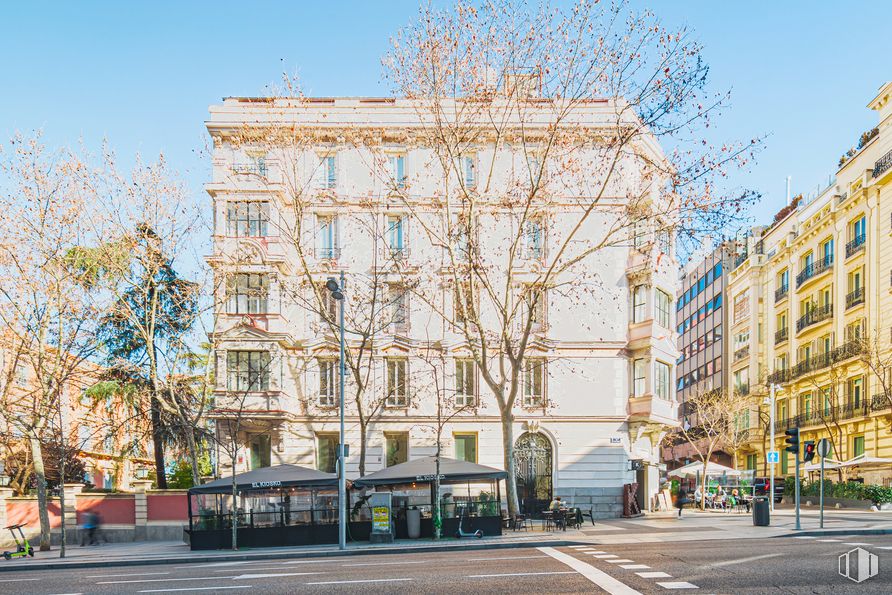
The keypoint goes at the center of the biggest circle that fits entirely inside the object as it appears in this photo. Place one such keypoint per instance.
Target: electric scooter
(23, 547)
(461, 533)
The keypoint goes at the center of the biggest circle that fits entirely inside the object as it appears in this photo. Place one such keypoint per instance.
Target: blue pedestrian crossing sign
(773, 456)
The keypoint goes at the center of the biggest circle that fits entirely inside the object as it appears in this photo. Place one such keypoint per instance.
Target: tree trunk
(157, 439)
(40, 475)
(233, 509)
(193, 456)
(363, 441)
(438, 520)
(508, 447)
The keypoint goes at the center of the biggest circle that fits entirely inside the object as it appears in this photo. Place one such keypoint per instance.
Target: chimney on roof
(789, 179)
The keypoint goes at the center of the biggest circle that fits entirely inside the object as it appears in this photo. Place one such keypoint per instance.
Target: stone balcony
(652, 409)
(269, 405)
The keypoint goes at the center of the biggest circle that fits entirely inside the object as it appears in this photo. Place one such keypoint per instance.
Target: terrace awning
(266, 478)
(424, 470)
(712, 470)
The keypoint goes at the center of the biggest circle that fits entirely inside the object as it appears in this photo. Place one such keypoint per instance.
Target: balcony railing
(779, 376)
(781, 335)
(882, 164)
(742, 353)
(814, 316)
(855, 245)
(329, 253)
(814, 269)
(845, 351)
(854, 298)
(258, 169)
(781, 292)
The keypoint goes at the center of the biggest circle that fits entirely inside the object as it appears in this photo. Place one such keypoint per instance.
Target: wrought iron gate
(533, 468)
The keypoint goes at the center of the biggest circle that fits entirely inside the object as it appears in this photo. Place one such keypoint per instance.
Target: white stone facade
(595, 409)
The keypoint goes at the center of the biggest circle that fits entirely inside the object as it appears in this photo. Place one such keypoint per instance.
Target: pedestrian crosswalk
(642, 570)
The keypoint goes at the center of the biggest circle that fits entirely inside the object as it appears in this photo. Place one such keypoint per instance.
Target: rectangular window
(247, 293)
(663, 308)
(327, 452)
(397, 383)
(751, 462)
(397, 170)
(857, 446)
(469, 171)
(664, 242)
(639, 303)
(533, 236)
(329, 240)
(859, 229)
(463, 301)
(661, 380)
(741, 307)
(260, 448)
(397, 446)
(466, 447)
(534, 382)
(641, 233)
(398, 307)
(856, 395)
(325, 175)
(784, 462)
(247, 219)
(396, 234)
(328, 311)
(248, 370)
(534, 306)
(827, 251)
(465, 383)
(639, 376)
(328, 378)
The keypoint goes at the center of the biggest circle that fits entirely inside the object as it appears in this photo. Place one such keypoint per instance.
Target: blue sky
(143, 74)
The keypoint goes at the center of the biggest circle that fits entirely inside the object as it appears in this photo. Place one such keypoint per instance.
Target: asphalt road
(780, 565)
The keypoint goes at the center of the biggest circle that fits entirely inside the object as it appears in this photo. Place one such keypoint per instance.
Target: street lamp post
(337, 292)
(772, 391)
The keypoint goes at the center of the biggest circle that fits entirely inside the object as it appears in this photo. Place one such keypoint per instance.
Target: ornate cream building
(598, 386)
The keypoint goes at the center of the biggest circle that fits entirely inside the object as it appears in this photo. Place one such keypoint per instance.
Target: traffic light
(792, 440)
(808, 450)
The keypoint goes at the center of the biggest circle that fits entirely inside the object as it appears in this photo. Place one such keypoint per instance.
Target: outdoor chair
(590, 514)
(560, 519)
(520, 523)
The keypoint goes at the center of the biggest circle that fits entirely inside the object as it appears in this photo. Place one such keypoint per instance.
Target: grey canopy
(423, 470)
(265, 478)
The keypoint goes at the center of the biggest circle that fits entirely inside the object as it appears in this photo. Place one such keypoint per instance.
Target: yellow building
(808, 292)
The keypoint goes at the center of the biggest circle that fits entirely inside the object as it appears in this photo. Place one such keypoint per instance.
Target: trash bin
(761, 512)
(413, 523)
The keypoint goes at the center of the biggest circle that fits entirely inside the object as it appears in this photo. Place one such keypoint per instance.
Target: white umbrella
(712, 470)
(866, 461)
(828, 464)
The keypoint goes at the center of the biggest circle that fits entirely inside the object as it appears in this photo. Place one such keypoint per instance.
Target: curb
(253, 555)
(832, 532)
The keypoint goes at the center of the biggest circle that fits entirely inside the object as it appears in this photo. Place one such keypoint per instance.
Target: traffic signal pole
(793, 446)
(798, 526)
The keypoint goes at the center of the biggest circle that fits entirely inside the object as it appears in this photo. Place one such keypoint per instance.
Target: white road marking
(605, 556)
(578, 547)
(654, 574)
(602, 579)
(206, 578)
(805, 537)
(634, 566)
(743, 560)
(197, 589)
(133, 574)
(619, 561)
(17, 580)
(388, 563)
(594, 552)
(242, 577)
(371, 580)
(857, 543)
(678, 585)
(216, 564)
(828, 540)
(504, 558)
(885, 547)
(520, 574)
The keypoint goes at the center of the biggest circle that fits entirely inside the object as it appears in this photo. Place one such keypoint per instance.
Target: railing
(814, 269)
(781, 292)
(842, 198)
(742, 353)
(814, 316)
(882, 164)
(834, 413)
(250, 168)
(779, 376)
(330, 253)
(855, 245)
(742, 389)
(741, 258)
(781, 335)
(845, 351)
(880, 402)
(854, 298)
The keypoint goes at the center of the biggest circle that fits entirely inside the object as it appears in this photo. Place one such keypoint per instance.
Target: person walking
(88, 533)
(681, 500)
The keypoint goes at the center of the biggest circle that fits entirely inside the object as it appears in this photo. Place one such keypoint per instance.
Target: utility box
(382, 517)
(761, 512)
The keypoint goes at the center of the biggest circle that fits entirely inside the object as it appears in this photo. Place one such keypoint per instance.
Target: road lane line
(858, 543)
(634, 566)
(605, 556)
(17, 580)
(133, 574)
(242, 577)
(654, 574)
(520, 574)
(197, 589)
(602, 579)
(742, 560)
(370, 580)
(828, 540)
(805, 537)
(388, 563)
(678, 585)
(885, 547)
(504, 558)
(578, 547)
(620, 561)
(163, 580)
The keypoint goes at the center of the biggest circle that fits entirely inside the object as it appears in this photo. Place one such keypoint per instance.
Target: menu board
(381, 519)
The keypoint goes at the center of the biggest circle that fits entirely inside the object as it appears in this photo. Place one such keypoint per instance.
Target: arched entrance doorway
(533, 469)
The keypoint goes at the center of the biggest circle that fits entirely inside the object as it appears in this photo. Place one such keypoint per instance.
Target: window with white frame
(248, 370)
(396, 234)
(247, 293)
(396, 168)
(662, 373)
(469, 170)
(641, 233)
(247, 218)
(327, 379)
(664, 241)
(21, 374)
(329, 240)
(326, 172)
(534, 238)
(398, 306)
(460, 233)
(639, 303)
(663, 308)
(397, 382)
(534, 382)
(534, 298)
(465, 383)
(463, 300)
(254, 163)
(639, 376)
(328, 311)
